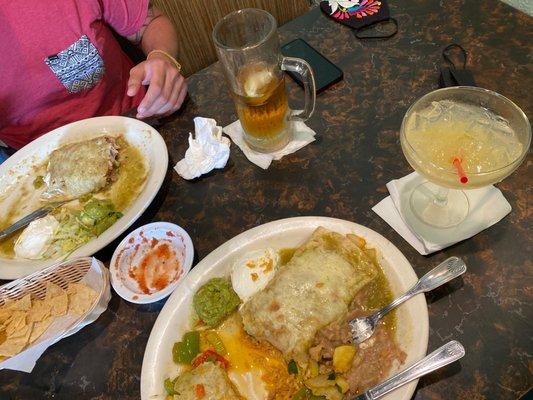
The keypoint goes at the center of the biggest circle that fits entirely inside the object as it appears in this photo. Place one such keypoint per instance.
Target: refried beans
(375, 357)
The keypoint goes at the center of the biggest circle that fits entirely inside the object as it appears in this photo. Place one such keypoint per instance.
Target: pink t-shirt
(59, 62)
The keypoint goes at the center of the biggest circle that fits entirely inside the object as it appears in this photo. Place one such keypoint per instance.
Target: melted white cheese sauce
(249, 384)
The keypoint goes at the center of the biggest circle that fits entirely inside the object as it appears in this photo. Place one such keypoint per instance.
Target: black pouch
(362, 16)
(453, 76)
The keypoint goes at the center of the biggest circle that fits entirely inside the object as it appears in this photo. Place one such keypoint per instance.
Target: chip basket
(87, 270)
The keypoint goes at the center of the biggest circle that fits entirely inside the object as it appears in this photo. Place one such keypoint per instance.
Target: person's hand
(167, 87)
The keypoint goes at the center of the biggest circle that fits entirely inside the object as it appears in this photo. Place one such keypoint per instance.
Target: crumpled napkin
(487, 207)
(302, 136)
(207, 150)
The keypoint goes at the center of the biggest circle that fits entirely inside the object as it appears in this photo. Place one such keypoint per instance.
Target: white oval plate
(137, 133)
(127, 287)
(173, 321)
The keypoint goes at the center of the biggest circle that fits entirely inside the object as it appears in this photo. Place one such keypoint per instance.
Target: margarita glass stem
(441, 197)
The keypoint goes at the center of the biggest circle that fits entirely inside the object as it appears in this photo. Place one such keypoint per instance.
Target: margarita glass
(460, 138)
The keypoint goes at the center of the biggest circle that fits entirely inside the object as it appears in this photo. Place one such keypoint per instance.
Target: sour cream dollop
(252, 271)
(36, 238)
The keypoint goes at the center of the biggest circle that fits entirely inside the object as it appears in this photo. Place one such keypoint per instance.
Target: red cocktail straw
(460, 171)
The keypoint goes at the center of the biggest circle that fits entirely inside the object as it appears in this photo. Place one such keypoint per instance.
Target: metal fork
(21, 223)
(362, 328)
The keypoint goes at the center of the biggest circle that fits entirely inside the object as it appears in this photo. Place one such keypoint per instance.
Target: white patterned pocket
(79, 67)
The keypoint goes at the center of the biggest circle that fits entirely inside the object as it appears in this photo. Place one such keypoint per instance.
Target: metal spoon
(450, 352)
(363, 328)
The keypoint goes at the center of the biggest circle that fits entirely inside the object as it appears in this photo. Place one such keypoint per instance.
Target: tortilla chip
(23, 331)
(60, 305)
(53, 290)
(7, 314)
(40, 327)
(81, 298)
(23, 304)
(24, 321)
(14, 345)
(4, 315)
(5, 318)
(8, 303)
(56, 298)
(16, 323)
(40, 311)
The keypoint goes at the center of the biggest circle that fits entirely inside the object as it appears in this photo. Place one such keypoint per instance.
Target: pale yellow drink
(486, 145)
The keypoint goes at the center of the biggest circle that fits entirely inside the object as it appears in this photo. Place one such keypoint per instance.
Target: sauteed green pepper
(38, 182)
(169, 386)
(215, 341)
(184, 352)
(306, 394)
(293, 367)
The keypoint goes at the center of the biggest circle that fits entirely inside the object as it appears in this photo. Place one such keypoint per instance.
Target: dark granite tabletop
(343, 174)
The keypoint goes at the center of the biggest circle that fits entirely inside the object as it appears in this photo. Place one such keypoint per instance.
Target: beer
(247, 46)
(262, 107)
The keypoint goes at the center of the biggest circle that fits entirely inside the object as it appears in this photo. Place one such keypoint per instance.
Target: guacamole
(98, 215)
(214, 301)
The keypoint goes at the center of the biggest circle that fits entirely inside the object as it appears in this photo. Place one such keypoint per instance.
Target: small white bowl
(131, 250)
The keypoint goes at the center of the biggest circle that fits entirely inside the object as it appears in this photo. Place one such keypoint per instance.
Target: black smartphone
(326, 73)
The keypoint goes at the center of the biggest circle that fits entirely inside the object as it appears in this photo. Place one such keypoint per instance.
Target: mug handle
(302, 68)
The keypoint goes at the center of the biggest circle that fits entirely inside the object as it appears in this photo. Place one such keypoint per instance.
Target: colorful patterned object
(345, 9)
(356, 13)
(79, 67)
(341, 6)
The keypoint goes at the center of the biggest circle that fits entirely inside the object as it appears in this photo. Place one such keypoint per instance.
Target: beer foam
(256, 81)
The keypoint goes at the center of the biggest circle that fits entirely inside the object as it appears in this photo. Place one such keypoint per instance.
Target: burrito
(312, 290)
(80, 168)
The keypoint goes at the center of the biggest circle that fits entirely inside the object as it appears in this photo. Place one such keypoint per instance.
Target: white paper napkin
(302, 136)
(25, 361)
(207, 150)
(487, 206)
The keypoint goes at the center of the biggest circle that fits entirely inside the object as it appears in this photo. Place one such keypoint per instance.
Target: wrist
(165, 56)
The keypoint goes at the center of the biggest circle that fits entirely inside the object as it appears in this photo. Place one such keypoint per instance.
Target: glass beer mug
(248, 49)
